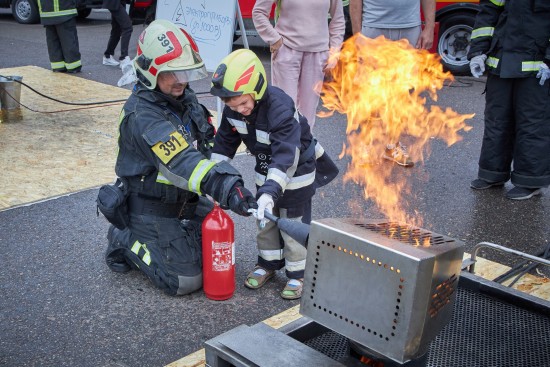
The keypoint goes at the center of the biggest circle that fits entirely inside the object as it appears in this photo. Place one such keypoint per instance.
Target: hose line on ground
(94, 104)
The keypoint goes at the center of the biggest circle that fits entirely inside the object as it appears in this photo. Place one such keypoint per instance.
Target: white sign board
(211, 23)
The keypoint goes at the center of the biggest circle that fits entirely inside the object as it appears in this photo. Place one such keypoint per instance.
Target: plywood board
(62, 148)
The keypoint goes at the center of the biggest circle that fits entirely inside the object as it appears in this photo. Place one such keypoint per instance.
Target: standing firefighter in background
(163, 167)
(512, 39)
(59, 19)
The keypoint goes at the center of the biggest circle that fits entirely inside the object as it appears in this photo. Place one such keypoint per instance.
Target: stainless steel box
(387, 286)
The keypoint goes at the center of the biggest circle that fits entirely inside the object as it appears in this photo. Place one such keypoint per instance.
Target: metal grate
(487, 332)
(331, 344)
(483, 332)
(405, 233)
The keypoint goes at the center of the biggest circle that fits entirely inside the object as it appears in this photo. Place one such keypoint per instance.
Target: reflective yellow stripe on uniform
(57, 65)
(163, 180)
(498, 2)
(492, 62)
(198, 174)
(483, 32)
(530, 65)
(51, 14)
(73, 65)
(140, 249)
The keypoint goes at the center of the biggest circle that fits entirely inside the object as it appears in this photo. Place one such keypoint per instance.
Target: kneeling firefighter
(163, 167)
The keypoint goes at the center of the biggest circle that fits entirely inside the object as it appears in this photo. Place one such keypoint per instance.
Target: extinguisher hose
(295, 229)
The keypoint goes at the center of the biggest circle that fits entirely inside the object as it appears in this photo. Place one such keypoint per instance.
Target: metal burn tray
(386, 294)
(491, 326)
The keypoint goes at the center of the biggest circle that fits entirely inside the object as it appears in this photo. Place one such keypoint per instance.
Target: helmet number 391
(172, 45)
(165, 43)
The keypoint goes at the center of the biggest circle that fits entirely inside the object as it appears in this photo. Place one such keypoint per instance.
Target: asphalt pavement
(61, 306)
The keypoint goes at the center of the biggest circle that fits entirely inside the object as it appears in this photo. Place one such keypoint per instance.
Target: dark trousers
(517, 130)
(167, 250)
(63, 49)
(121, 30)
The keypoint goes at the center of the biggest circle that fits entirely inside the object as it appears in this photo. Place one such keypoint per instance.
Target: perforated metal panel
(387, 286)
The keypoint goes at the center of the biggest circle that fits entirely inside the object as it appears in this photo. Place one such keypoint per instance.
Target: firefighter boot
(114, 255)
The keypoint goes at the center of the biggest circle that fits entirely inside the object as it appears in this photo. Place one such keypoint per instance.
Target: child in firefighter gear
(59, 19)
(511, 39)
(164, 167)
(290, 164)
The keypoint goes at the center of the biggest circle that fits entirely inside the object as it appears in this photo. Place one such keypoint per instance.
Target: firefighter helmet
(240, 72)
(164, 47)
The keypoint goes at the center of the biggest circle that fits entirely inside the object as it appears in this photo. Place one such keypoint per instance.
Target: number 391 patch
(167, 150)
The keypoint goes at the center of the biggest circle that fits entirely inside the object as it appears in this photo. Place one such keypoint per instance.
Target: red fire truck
(454, 17)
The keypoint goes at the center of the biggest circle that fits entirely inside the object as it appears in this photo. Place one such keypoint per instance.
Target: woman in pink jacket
(306, 32)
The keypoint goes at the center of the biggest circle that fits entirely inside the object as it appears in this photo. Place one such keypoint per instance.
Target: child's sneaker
(110, 61)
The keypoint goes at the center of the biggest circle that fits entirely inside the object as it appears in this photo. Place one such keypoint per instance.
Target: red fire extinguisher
(218, 255)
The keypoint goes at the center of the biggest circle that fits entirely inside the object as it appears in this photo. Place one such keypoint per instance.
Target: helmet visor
(185, 76)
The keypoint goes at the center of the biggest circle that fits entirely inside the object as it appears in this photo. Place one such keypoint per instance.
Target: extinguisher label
(222, 256)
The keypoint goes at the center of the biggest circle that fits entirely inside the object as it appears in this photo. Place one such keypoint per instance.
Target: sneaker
(114, 255)
(479, 184)
(110, 61)
(398, 154)
(522, 193)
(293, 289)
(126, 65)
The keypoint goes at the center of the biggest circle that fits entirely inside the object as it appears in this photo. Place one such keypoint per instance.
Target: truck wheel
(25, 11)
(454, 42)
(83, 13)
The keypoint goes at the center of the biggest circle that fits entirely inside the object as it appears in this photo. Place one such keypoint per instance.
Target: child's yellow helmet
(240, 72)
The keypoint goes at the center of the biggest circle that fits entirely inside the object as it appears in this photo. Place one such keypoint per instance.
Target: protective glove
(240, 200)
(265, 203)
(477, 65)
(544, 73)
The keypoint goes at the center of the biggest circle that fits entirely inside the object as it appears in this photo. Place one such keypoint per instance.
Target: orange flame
(383, 86)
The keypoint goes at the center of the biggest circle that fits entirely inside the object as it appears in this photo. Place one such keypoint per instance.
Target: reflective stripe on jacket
(164, 148)
(56, 11)
(278, 137)
(514, 34)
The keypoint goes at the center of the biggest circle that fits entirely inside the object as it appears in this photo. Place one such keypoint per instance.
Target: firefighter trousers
(63, 49)
(277, 249)
(517, 132)
(167, 250)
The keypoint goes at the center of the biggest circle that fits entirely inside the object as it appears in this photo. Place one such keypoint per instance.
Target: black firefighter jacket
(164, 145)
(279, 137)
(514, 34)
(56, 11)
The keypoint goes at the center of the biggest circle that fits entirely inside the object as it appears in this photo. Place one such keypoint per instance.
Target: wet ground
(61, 305)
